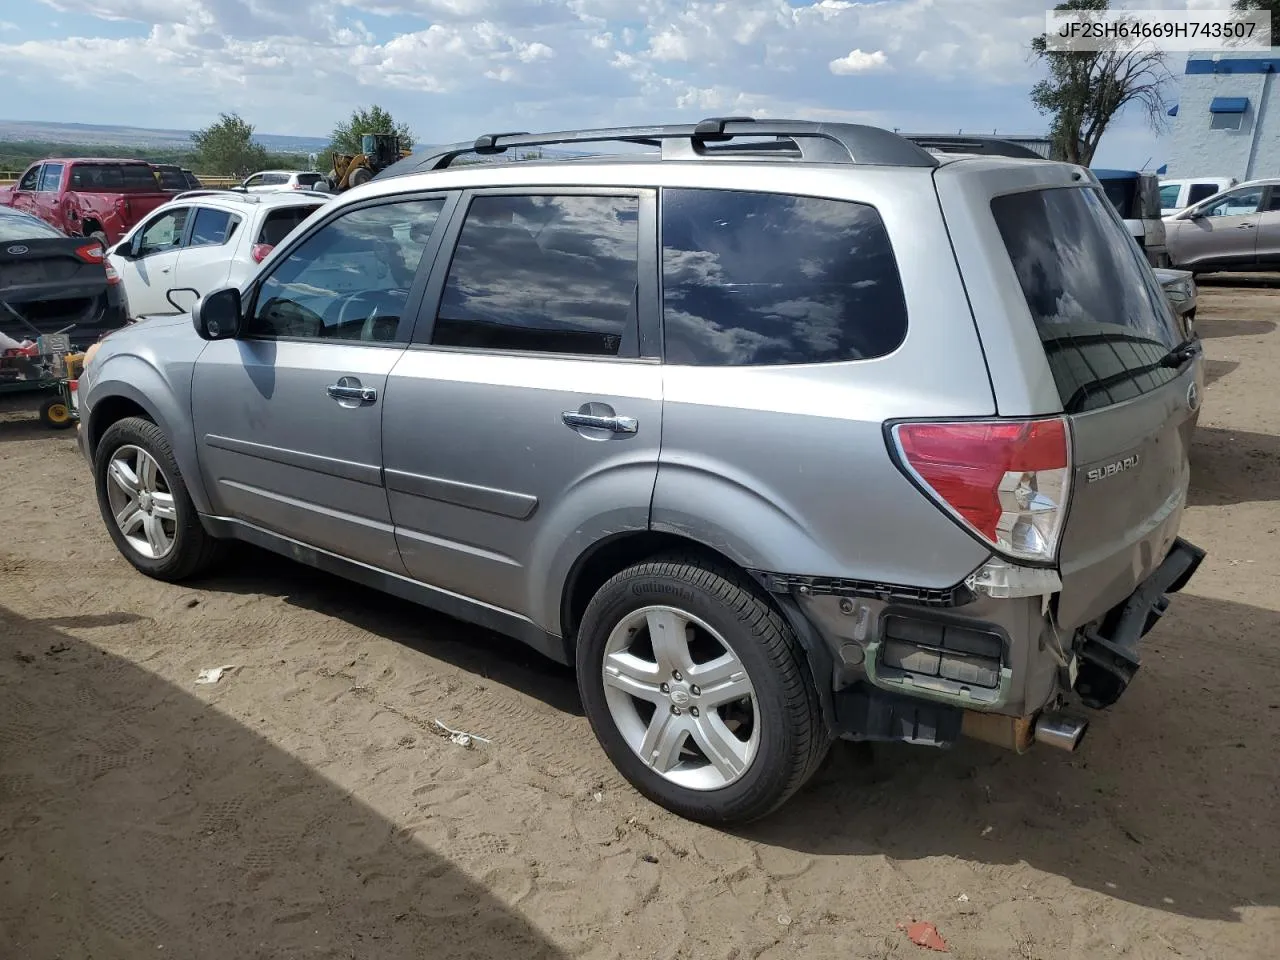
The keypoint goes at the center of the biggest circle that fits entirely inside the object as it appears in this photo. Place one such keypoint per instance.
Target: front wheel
(145, 504)
(697, 690)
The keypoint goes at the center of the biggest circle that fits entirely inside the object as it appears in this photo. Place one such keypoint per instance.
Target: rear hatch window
(1103, 320)
(282, 221)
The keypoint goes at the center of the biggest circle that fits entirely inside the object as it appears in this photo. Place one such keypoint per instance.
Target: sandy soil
(304, 806)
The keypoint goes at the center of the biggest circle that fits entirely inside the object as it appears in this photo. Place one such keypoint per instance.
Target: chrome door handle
(1246, 226)
(574, 419)
(341, 392)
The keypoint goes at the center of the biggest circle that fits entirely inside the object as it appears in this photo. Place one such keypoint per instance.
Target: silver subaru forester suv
(777, 431)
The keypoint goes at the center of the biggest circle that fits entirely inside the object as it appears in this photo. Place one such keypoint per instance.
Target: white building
(1227, 123)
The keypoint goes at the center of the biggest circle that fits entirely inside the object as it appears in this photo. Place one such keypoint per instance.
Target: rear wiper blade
(1182, 354)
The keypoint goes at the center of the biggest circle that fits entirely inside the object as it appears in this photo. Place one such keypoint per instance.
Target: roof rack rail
(218, 191)
(793, 139)
(985, 146)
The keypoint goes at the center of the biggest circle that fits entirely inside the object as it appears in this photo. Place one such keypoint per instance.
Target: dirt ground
(305, 806)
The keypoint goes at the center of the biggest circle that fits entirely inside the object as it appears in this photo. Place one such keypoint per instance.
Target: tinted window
(30, 179)
(1237, 203)
(212, 227)
(51, 178)
(1169, 195)
(113, 177)
(1101, 315)
(349, 280)
(282, 221)
(270, 179)
(1200, 191)
(164, 233)
(1123, 195)
(553, 274)
(172, 178)
(19, 226)
(758, 278)
(308, 179)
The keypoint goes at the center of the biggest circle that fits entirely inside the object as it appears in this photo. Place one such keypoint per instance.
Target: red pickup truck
(87, 197)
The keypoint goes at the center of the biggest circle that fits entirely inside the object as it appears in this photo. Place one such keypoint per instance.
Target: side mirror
(217, 315)
(123, 249)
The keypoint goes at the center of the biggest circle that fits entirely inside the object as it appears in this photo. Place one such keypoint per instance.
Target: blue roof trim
(1103, 174)
(1162, 169)
(1237, 65)
(1229, 105)
(1173, 111)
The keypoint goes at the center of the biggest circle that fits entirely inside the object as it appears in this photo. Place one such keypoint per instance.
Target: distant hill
(141, 137)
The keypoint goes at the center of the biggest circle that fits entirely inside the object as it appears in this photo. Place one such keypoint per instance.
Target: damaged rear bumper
(1107, 649)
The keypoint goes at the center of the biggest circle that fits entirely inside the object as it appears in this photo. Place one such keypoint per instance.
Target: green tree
(227, 148)
(1086, 90)
(1272, 6)
(346, 135)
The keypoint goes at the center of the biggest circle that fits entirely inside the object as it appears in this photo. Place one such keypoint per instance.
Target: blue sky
(455, 68)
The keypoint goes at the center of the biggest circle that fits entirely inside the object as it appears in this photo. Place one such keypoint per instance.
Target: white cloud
(858, 62)
(453, 67)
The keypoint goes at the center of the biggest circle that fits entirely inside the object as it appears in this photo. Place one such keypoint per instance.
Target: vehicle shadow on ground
(138, 820)
(483, 652)
(15, 429)
(1125, 817)
(1212, 329)
(1215, 370)
(1233, 466)
(1168, 804)
(1251, 281)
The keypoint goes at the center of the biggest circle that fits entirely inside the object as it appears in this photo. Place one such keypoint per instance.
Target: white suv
(271, 181)
(203, 240)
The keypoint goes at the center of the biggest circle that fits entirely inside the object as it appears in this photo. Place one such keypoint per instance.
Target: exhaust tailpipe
(1063, 731)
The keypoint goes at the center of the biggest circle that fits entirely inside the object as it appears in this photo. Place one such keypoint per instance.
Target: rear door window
(211, 227)
(763, 278)
(1103, 320)
(113, 178)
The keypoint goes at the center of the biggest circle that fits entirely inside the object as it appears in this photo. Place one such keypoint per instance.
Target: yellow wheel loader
(377, 152)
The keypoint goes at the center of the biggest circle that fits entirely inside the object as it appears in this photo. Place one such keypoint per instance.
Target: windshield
(1102, 317)
(113, 177)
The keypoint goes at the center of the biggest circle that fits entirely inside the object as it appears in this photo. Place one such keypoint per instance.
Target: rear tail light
(1006, 480)
(259, 251)
(112, 277)
(91, 252)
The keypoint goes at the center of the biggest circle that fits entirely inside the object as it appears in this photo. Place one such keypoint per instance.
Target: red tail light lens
(112, 277)
(91, 252)
(259, 251)
(1007, 480)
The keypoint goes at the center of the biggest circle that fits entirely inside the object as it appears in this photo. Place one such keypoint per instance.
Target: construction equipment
(377, 152)
(44, 367)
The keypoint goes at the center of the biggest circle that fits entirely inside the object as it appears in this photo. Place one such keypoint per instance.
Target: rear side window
(549, 274)
(113, 177)
(1102, 317)
(212, 227)
(308, 179)
(1123, 195)
(282, 221)
(171, 179)
(1169, 195)
(271, 179)
(761, 278)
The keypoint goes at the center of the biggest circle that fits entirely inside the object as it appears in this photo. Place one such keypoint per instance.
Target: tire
(358, 176)
(191, 550)
(785, 736)
(55, 415)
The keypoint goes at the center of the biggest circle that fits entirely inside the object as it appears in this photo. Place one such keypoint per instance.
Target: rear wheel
(145, 504)
(697, 690)
(359, 175)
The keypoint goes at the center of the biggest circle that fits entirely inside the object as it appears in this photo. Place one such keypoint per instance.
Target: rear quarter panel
(786, 468)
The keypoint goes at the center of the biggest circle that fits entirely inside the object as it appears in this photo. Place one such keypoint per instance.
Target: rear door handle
(342, 392)
(1246, 226)
(615, 424)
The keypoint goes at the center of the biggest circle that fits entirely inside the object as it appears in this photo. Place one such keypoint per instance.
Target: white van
(1178, 194)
